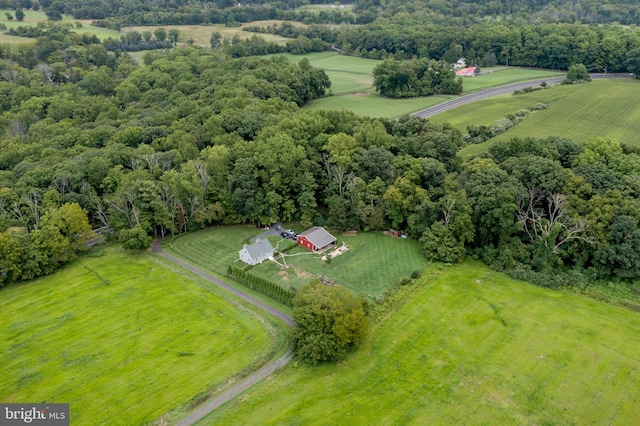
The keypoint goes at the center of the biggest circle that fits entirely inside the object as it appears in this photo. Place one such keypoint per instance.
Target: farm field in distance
(201, 34)
(606, 108)
(125, 339)
(467, 346)
(352, 85)
(32, 17)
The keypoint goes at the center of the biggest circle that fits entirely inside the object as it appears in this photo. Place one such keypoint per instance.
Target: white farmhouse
(257, 252)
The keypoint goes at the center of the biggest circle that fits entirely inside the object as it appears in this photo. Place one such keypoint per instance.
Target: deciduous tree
(329, 322)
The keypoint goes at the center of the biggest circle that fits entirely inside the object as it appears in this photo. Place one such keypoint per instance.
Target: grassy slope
(578, 112)
(470, 347)
(371, 266)
(123, 339)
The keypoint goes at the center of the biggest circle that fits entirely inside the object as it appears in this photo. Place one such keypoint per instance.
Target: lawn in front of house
(372, 265)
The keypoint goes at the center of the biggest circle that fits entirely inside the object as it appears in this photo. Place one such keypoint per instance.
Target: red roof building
(467, 72)
(316, 239)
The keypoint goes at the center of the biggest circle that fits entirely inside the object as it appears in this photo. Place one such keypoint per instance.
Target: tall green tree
(329, 322)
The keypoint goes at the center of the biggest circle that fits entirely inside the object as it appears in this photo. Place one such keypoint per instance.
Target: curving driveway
(494, 91)
(254, 378)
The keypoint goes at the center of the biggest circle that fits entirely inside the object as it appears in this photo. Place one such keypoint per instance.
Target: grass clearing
(33, 17)
(373, 264)
(502, 76)
(352, 85)
(468, 346)
(125, 339)
(201, 34)
(213, 249)
(605, 108)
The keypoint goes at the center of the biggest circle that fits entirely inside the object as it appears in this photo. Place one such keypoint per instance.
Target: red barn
(316, 239)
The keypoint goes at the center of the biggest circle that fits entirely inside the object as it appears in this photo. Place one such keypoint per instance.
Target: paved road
(494, 91)
(255, 377)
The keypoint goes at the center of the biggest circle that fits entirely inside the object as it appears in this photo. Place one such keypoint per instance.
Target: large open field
(469, 346)
(601, 108)
(352, 85)
(371, 266)
(125, 339)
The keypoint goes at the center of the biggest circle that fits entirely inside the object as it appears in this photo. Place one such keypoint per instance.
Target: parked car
(288, 233)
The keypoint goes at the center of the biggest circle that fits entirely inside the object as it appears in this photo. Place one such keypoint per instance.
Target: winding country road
(254, 378)
(494, 91)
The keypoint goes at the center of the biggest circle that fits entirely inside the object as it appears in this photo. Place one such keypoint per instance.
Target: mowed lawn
(372, 265)
(212, 249)
(124, 339)
(468, 346)
(607, 108)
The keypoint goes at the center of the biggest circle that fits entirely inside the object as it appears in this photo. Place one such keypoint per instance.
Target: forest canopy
(196, 137)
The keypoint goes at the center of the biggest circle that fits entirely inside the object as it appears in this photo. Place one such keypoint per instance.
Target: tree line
(195, 138)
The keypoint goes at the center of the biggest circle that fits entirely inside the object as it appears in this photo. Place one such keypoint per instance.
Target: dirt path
(254, 378)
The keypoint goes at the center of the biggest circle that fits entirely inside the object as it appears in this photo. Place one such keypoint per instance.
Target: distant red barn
(316, 239)
(467, 72)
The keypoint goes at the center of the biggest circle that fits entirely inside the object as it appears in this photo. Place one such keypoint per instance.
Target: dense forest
(196, 138)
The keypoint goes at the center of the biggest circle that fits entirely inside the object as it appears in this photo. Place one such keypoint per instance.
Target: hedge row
(262, 285)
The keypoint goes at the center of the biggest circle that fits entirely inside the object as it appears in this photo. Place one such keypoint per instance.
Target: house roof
(465, 72)
(319, 236)
(259, 248)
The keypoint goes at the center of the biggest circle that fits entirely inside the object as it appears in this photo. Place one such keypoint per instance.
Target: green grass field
(213, 249)
(125, 339)
(352, 85)
(32, 17)
(201, 34)
(469, 346)
(501, 76)
(601, 108)
(371, 266)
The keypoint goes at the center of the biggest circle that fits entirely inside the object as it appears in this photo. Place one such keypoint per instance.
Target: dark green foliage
(577, 74)
(134, 239)
(405, 79)
(262, 285)
(329, 322)
(621, 256)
